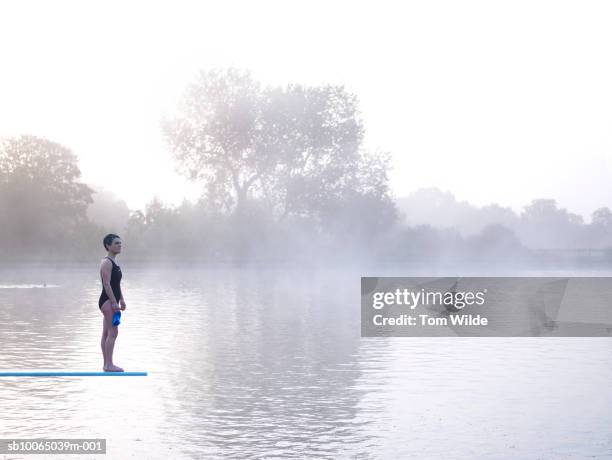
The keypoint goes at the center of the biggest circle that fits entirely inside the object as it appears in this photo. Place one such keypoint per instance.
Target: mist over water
(256, 362)
(244, 305)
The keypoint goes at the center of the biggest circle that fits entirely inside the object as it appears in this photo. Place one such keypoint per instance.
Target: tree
(602, 217)
(213, 138)
(495, 241)
(544, 225)
(296, 148)
(41, 199)
(441, 209)
(600, 230)
(313, 137)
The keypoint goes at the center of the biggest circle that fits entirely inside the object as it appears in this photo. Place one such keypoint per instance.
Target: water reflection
(269, 363)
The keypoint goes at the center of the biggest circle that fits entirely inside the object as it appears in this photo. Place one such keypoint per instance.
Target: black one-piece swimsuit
(115, 283)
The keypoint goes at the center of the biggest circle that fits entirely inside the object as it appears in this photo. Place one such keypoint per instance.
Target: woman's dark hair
(108, 240)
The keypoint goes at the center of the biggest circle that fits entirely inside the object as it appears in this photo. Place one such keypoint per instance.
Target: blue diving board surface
(71, 374)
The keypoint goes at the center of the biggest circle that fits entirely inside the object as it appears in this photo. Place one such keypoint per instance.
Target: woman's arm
(121, 301)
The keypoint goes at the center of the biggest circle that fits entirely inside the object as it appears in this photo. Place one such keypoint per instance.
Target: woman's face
(115, 246)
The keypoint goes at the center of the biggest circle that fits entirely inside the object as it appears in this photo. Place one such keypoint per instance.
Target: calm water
(269, 363)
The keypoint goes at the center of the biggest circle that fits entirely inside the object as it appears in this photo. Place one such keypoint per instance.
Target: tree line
(284, 177)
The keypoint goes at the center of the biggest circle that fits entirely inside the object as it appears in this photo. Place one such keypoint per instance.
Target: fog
(390, 135)
(257, 160)
(284, 178)
(496, 103)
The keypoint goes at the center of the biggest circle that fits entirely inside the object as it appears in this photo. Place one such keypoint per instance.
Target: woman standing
(111, 295)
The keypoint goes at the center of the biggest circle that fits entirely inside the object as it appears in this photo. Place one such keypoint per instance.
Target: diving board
(71, 374)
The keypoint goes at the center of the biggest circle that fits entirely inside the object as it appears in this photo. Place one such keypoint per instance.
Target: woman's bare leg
(104, 336)
(111, 336)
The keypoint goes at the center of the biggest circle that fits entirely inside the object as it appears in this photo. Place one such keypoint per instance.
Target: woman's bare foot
(113, 368)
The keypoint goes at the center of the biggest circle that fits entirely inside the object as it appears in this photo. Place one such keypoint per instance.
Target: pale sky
(495, 101)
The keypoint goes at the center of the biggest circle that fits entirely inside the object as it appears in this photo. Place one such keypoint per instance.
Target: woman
(110, 273)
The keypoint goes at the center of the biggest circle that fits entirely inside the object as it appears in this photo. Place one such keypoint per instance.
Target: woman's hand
(114, 306)
(122, 302)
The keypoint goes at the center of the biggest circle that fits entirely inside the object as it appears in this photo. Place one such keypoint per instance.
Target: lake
(269, 363)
